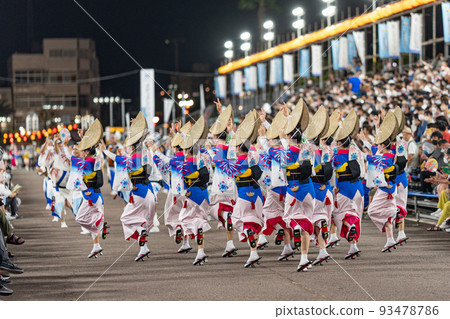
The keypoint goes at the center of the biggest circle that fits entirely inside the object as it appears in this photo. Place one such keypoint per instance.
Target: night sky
(142, 28)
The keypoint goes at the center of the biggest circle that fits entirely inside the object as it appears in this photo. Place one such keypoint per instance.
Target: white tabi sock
(287, 249)
(230, 245)
(390, 241)
(144, 249)
(401, 234)
(97, 247)
(262, 239)
(323, 253)
(333, 237)
(304, 259)
(200, 252)
(254, 254)
(353, 248)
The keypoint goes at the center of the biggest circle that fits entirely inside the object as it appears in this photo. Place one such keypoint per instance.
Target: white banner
(343, 53)
(221, 86)
(202, 99)
(316, 60)
(148, 96)
(253, 79)
(415, 43)
(393, 31)
(272, 78)
(168, 104)
(360, 42)
(237, 85)
(288, 68)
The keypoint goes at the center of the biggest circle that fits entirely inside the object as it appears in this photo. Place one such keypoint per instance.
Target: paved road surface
(57, 268)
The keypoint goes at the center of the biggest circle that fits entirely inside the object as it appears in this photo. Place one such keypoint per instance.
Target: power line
(129, 73)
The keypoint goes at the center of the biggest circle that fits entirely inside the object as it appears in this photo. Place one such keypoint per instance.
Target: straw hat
(138, 129)
(401, 121)
(318, 124)
(178, 138)
(220, 124)
(347, 126)
(256, 127)
(92, 136)
(278, 123)
(357, 128)
(298, 115)
(195, 133)
(245, 129)
(334, 124)
(388, 128)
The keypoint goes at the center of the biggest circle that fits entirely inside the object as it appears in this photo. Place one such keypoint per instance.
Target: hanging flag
(335, 53)
(360, 43)
(202, 100)
(252, 80)
(351, 49)
(405, 34)
(147, 77)
(446, 20)
(343, 53)
(237, 82)
(168, 105)
(393, 31)
(288, 68)
(316, 57)
(220, 85)
(383, 41)
(262, 75)
(304, 63)
(415, 42)
(276, 71)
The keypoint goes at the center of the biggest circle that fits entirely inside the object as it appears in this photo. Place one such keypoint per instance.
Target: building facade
(56, 85)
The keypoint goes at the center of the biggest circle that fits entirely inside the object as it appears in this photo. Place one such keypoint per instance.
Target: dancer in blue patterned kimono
(382, 172)
(171, 168)
(347, 213)
(86, 177)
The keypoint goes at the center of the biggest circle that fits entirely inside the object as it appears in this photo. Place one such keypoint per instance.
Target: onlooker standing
(413, 149)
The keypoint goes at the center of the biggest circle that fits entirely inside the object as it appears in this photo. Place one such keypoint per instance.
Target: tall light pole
(329, 11)
(298, 24)
(269, 35)
(229, 53)
(246, 37)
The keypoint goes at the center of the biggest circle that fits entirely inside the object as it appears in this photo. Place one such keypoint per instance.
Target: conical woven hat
(179, 137)
(401, 121)
(318, 124)
(357, 128)
(220, 124)
(196, 132)
(138, 129)
(347, 126)
(92, 136)
(334, 124)
(298, 115)
(256, 127)
(278, 124)
(245, 129)
(388, 128)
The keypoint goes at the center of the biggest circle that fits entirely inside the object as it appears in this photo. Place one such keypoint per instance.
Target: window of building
(60, 53)
(21, 77)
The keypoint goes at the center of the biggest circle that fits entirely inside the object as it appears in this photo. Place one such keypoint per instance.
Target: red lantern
(11, 136)
(75, 126)
(25, 138)
(55, 130)
(11, 140)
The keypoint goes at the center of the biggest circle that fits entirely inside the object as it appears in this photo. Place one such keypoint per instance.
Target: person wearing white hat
(45, 159)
